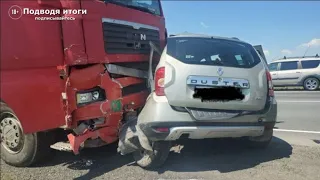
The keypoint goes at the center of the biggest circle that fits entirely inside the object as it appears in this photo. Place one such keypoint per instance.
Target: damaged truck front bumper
(95, 104)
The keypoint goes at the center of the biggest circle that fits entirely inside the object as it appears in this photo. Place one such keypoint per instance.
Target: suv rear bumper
(200, 132)
(176, 124)
(179, 130)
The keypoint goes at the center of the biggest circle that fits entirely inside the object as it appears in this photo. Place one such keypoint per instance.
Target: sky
(283, 28)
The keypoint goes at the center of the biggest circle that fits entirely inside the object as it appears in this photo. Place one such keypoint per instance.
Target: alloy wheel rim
(311, 84)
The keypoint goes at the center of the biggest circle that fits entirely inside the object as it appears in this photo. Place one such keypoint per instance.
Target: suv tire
(153, 159)
(19, 149)
(262, 141)
(311, 84)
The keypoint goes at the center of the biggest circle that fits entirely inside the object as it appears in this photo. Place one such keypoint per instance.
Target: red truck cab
(81, 72)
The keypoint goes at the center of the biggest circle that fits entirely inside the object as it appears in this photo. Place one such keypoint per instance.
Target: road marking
(298, 131)
(292, 92)
(298, 101)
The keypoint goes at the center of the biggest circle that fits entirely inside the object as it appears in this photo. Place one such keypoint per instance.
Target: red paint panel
(49, 3)
(25, 47)
(35, 96)
(139, 99)
(127, 81)
(91, 111)
(113, 89)
(86, 78)
(73, 39)
(107, 134)
(114, 119)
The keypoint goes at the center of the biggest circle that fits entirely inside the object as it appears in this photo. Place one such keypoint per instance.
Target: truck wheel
(311, 84)
(262, 141)
(153, 159)
(19, 149)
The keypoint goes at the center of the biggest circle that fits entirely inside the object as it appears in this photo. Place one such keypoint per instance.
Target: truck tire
(262, 141)
(19, 149)
(153, 159)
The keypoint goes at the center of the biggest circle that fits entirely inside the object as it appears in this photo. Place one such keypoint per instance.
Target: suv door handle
(274, 74)
(298, 72)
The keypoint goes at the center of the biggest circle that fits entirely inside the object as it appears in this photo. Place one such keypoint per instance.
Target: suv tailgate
(198, 63)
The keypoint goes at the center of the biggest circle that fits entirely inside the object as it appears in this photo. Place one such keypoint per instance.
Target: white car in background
(296, 71)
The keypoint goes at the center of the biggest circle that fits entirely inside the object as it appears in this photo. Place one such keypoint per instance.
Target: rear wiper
(218, 63)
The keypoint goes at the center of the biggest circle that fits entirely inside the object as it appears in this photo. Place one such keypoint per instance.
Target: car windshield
(205, 51)
(149, 6)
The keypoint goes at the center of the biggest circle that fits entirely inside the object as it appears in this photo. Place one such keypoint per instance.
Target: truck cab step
(62, 146)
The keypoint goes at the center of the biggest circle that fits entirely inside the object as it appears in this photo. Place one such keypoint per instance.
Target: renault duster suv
(206, 87)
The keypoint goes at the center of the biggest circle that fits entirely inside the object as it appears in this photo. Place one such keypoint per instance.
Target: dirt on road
(202, 159)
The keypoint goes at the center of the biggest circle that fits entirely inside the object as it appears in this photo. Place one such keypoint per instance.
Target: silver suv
(296, 71)
(205, 87)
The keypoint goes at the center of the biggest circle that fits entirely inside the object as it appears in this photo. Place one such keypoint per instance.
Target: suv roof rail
(297, 57)
(235, 38)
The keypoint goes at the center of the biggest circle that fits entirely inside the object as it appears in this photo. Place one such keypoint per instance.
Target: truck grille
(120, 37)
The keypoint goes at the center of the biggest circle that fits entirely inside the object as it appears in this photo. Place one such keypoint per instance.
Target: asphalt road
(298, 110)
(293, 154)
(298, 114)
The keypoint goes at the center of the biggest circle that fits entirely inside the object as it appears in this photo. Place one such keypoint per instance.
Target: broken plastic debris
(177, 148)
(89, 163)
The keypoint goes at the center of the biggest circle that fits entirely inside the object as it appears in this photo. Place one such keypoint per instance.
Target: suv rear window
(310, 64)
(215, 52)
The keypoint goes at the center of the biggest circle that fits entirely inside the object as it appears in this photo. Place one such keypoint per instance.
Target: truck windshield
(149, 6)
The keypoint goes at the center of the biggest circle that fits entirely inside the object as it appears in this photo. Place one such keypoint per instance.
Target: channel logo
(15, 12)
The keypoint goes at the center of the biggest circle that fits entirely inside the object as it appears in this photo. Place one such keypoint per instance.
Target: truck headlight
(90, 96)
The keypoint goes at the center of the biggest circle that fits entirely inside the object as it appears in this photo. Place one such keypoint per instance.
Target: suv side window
(310, 64)
(273, 67)
(289, 65)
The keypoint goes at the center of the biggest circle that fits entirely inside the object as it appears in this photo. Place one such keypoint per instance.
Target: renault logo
(220, 71)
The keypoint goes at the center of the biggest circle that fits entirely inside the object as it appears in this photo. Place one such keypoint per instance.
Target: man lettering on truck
(86, 76)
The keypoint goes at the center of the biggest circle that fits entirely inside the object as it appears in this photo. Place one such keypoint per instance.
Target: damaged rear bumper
(132, 138)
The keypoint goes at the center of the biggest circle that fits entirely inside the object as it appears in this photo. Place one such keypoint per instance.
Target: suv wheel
(153, 159)
(19, 149)
(311, 84)
(262, 141)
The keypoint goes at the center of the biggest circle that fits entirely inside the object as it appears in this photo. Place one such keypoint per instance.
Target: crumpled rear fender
(132, 138)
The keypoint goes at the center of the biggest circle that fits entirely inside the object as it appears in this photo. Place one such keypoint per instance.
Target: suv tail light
(270, 85)
(159, 81)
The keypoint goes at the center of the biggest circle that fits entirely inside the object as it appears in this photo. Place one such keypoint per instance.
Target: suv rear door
(289, 73)
(193, 62)
(310, 68)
